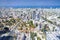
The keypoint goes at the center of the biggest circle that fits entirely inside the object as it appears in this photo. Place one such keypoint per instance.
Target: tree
(31, 24)
(36, 24)
(33, 35)
(38, 38)
(12, 20)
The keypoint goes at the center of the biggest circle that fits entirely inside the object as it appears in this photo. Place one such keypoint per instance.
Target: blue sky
(30, 3)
